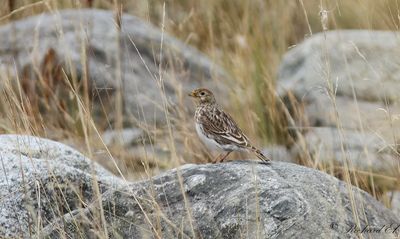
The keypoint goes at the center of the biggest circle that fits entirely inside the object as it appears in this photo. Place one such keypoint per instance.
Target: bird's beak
(191, 94)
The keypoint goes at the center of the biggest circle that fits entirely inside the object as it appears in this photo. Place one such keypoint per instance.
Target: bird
(218, 130)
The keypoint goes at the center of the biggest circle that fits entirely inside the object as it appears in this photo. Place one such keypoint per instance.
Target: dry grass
(248, 38)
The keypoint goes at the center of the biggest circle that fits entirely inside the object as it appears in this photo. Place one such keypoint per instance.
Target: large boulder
(90, 39)
(50, 190)
(348, 80)
(41, 181)
(360, 61)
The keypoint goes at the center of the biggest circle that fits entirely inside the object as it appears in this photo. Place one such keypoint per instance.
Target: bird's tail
(259, 155)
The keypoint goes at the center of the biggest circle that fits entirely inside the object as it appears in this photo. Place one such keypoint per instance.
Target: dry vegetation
(248, 38)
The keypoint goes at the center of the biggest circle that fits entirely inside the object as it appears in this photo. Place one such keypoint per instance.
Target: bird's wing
(222, 128)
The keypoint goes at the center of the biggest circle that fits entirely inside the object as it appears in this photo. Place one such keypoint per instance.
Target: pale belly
(212, 144)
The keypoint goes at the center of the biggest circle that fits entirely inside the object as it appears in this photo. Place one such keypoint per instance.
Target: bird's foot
(221, 157)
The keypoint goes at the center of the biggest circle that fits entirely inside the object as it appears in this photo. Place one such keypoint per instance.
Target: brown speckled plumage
(219, 125)
(217, 129)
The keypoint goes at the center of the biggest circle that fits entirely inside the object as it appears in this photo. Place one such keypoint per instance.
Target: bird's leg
(221, 157)
(217, 159)
(226, 155)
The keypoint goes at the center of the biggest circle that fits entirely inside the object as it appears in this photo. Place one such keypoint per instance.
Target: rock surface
(360, 70)
(25, 43)
(47, 191)
(395, 202)
(359, 60)
(234, 200)
(366, 151)
(126, 137)
(41, 180)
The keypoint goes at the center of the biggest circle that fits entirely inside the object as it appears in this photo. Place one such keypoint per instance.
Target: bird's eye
(202, 93)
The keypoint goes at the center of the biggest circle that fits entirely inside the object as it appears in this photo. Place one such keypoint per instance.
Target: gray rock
(363, 61)
(125, 137)
(41, 180)
(231, 200)
(366, 61)
(361, 69)
(362, 151)
(353, 114)
(395, 196)
(46, 190)
(183, 68)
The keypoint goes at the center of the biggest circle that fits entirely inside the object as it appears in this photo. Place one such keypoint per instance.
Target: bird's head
(203, 96)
